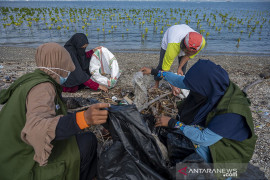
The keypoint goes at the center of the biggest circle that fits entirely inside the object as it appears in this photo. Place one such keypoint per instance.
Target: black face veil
(77, 53)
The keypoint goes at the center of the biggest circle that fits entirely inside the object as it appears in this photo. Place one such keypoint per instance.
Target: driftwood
(129, 101)
(264, 75)
(252, 84)
(140, 90)
(154, 110)
(79, 109)
(154, 100)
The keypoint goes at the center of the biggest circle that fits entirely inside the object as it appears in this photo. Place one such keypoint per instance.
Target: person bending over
(182, 41)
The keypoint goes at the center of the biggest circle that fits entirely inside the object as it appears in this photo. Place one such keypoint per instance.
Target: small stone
(255, 156)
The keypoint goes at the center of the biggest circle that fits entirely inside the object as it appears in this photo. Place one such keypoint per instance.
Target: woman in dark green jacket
(215, 116)
(39, 140)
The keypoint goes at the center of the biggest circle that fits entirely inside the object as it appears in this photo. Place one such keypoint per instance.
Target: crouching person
(39, 140)
(215, 116)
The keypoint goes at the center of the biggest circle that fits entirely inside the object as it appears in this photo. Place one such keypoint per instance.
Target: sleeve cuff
(179, 125)
(172, 123)
(158, 73)
(154, 72)
(91, 84)
(89, 53)
(80, 120)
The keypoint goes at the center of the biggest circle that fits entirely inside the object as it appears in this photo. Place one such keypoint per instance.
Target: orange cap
(193, 41)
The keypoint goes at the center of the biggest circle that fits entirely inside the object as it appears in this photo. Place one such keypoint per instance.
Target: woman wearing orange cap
(179, 40)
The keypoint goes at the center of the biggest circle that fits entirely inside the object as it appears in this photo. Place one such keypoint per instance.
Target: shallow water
(138, 26)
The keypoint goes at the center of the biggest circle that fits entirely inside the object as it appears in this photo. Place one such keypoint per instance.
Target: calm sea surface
(229, 27)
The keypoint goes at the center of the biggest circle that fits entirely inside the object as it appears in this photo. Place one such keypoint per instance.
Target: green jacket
(231, 151)
(16, 157)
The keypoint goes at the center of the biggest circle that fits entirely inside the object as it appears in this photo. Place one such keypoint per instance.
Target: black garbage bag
(135, 153)
(181, 151)
(180, 148)
(251, 173)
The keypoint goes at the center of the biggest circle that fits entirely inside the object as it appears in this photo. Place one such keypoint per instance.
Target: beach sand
(243, 70)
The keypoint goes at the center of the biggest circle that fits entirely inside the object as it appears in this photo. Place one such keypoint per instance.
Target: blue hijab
(209, 80)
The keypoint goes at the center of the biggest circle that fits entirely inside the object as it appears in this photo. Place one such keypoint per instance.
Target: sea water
(228, 27)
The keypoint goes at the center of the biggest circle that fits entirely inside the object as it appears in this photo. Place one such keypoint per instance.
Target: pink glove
(89, 53)
(91, 84)
(70, 89)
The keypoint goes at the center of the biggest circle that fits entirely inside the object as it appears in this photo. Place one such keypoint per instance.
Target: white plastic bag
(140, 90)
(103, 62)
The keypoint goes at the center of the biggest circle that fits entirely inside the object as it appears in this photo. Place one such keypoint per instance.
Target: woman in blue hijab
(215, 116)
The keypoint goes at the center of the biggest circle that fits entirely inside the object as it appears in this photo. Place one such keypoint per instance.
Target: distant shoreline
(154, 51)
(151, 51)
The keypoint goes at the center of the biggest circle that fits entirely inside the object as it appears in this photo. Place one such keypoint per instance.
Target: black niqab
(77, 53)
(190, 107)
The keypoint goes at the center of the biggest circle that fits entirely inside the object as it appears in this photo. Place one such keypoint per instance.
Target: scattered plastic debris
(114, 98)
(140, 90)
(265, 114)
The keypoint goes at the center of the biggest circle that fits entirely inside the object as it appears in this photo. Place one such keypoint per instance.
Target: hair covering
(209, 80)
(193, 41)
(236, 126)
(55, 56)
(77, 53)
(190, 107)
(77, 41)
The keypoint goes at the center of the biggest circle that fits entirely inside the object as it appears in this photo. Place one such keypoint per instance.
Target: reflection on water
(137, 25)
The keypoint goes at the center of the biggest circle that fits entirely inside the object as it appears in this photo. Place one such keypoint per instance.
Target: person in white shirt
(182, 41)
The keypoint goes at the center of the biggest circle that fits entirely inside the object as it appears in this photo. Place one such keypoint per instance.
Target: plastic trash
(185, 92)
(264, 113)
(266, 116)
(135, 153)
(181, 150)
(114, 98)
(138, 154)
(140, 90)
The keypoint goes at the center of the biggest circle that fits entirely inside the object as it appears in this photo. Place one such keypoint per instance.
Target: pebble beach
(243, 70)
